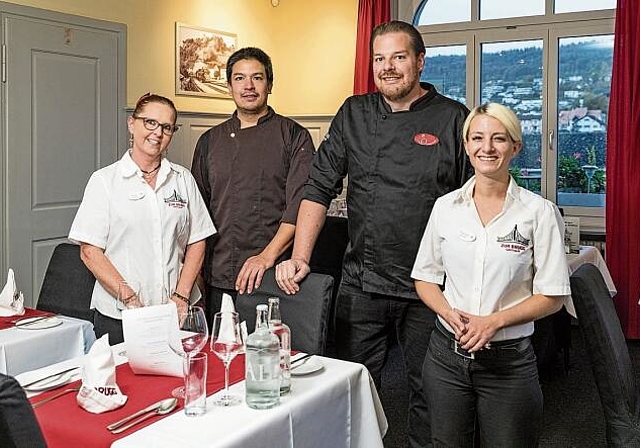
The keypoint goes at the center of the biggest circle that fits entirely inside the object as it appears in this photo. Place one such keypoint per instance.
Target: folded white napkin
(226, 325)
(227, 304)
(100, 392)
(11, 300)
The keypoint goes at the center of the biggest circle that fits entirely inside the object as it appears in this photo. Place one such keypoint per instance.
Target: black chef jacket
(398, 164)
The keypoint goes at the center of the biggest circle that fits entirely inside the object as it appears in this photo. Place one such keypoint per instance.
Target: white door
(63, 118)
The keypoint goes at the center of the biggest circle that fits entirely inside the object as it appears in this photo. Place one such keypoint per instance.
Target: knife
(49, 377)
(302, 358)
(31, 322)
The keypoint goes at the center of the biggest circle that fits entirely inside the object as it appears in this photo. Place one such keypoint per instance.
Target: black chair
(609, 356)
(552, 335)
(306, 312)
(67, 285)
(18, 425)
(328, 252)
(327, 257)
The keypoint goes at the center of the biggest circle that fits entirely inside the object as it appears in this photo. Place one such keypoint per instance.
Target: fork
(54, 396)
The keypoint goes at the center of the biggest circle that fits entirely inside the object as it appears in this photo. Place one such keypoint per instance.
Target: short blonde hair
(501, 113)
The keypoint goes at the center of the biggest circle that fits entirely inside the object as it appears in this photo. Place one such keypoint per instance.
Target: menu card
(572, 234)
(146, 332)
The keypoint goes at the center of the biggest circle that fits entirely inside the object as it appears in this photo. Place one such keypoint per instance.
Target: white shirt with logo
(488, 269)
(144, 232)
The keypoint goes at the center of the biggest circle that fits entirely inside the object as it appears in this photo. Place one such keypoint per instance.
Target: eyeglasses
(151, 125)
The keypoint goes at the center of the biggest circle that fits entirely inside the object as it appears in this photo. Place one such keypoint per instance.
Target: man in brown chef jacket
(251, 170)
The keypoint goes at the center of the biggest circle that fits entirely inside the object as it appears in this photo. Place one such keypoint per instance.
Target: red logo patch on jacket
(425, 139)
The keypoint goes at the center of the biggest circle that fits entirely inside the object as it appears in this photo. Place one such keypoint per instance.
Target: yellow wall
(311, 43)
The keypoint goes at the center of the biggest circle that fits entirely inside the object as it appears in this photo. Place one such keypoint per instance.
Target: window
(552, 67)
(583, 5)
(445, 68)
(443, 11)
(500, 9)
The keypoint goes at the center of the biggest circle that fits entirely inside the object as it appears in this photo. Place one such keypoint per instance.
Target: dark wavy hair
(251, 53)
(154, 98)
(397, 26)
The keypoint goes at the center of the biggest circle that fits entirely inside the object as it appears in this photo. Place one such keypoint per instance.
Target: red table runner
(10, 321)
(64, 423)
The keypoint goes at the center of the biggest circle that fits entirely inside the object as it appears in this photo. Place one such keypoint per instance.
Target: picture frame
(201, 61)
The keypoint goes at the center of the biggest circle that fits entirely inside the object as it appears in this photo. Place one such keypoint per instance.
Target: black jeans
(213, 302)
(499, 390)
(363, 323)
(104, 324)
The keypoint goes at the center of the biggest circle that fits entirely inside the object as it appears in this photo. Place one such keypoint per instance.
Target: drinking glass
(192, 334)
(226, 341)
(129, 294)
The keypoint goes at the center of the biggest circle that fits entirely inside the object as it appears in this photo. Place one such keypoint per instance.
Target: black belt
(495, 347)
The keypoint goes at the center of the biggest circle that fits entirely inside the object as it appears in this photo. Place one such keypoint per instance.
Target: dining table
(588, 254)
(334, 404)
(38, 339)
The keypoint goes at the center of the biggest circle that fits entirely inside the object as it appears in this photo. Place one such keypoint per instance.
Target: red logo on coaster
(426, 139)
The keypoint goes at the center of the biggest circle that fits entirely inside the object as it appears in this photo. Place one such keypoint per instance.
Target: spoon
(165, 407)
(150, 408)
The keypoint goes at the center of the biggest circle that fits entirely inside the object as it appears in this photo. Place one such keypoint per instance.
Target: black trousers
(498, 390)
(364, 322)
(107, 325)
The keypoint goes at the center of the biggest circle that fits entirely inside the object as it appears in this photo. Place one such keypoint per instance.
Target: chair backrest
(67, 285)
(328, 252)
(306, 312)
(608, 354)
(18, 425)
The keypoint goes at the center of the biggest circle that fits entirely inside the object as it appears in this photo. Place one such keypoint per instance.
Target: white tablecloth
(22, 350)
(337, 407)
(589, 254)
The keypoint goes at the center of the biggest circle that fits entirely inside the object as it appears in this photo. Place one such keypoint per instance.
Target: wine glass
(226, 341)
(188, 339)
(128, 294)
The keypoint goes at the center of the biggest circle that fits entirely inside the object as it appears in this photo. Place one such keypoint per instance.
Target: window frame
(549, 28)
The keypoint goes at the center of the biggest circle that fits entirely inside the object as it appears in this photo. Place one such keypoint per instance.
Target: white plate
(39, 324)
(307, 367)
(51, 383)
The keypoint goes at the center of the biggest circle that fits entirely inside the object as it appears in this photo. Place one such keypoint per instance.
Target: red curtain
(623, 167)
(371, 13)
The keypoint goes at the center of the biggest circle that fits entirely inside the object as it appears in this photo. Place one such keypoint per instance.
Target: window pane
(511, 74)
(583, 5)
(584, 85)
(433, 12)
(500, 9)
(446, 69)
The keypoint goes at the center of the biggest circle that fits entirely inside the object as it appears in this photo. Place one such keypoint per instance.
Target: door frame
(119, 30)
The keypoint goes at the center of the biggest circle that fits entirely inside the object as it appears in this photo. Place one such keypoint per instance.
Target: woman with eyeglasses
(142, 220)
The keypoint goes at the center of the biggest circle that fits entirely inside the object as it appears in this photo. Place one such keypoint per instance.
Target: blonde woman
(498, 249)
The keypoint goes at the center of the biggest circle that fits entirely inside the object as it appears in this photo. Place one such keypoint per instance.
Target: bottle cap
(261, 307)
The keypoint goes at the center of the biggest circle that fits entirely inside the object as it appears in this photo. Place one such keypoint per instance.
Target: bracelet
(181, 297)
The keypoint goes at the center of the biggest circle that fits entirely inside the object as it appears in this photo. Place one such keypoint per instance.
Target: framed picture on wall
(201, 60)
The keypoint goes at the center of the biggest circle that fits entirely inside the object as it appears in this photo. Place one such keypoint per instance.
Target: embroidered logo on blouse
(513, 241)
(175, 200)
(425, 139)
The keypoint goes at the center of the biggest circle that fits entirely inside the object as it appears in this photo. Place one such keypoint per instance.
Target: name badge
(468, 237)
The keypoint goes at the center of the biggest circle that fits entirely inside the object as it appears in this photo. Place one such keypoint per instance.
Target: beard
(398, 91)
